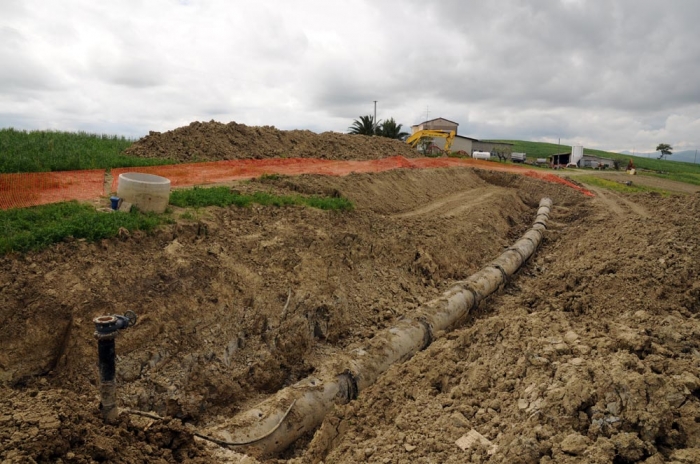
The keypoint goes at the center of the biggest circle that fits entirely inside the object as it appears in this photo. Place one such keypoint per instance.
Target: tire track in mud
(613, 202)
(453, 205)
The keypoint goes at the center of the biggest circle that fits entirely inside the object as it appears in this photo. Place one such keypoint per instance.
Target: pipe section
(280, 420)
(106, 330)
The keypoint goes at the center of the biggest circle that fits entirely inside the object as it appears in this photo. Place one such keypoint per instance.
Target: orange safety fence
(39, 188)
(29, 189)
(185, 175)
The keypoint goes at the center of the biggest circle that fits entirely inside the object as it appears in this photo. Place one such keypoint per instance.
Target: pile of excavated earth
(589, 354)
(215, 141)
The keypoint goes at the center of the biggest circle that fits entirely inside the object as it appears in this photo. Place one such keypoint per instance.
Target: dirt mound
(213, 141)
(591, 355)
(60, 424)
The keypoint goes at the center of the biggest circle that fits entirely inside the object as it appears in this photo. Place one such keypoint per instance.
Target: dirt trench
(589, 354)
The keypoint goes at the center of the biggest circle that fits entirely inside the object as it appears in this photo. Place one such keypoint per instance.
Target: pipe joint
(107, 327)
(428, 336)
(348, 389)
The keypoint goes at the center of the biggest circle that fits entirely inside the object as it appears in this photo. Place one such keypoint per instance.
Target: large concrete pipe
(294, 411)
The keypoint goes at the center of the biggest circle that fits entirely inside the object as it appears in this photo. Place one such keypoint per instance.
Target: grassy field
(25, 229)
(536, 150)
(673, 170)
(40, 151)
(223, 196)
(619, 187)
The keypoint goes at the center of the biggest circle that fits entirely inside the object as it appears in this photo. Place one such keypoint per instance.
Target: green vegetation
(40, 151)
(536, 150)
(24, 229)
(673, 170)
(687, 177)
(665, 150)
(223, 196)
(618, 186)
(366, 125)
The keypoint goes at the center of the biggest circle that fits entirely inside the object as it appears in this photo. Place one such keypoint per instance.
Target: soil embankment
(214, 141)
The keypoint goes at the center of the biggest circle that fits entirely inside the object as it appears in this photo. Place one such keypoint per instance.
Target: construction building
(461, 143)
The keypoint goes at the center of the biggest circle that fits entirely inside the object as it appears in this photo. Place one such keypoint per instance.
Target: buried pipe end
(108, 326)
(347, 387)
(106, 329)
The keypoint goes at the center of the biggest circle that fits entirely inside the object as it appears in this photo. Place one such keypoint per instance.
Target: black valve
(107, 325)
(106, 330)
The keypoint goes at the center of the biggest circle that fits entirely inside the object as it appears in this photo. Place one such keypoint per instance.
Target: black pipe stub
(107, 326)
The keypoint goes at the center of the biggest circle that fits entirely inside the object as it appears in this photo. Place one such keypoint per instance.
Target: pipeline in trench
(276, 423)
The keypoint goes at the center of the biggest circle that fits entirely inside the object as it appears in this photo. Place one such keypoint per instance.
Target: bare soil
(214, 141)
(590, 354)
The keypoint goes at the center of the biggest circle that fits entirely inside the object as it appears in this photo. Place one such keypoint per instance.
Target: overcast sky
(609, 74)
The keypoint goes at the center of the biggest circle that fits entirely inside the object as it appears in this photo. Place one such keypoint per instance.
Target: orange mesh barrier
(39, 188)
(29, 189)
(183, 175)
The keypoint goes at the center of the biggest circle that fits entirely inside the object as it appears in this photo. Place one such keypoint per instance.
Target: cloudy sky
(612, 74)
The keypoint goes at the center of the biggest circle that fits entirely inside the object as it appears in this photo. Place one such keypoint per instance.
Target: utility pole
(375, 115)
(696, 156)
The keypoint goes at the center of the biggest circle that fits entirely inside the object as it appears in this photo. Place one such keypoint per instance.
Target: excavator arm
(449, 137)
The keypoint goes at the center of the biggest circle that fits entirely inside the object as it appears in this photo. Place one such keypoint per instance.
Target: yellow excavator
(449, 137)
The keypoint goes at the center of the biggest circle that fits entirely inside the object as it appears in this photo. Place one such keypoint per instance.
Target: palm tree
(364, 126)
(390, 129)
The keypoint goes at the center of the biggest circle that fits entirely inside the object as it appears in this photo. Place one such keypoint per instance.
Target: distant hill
(681, 162)
(687, 156)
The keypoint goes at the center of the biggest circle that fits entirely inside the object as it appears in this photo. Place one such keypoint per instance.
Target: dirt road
(590, 354)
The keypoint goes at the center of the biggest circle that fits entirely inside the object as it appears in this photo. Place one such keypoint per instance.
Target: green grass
(619, 187)
(25, 229)
(666, 169)
(223, 196)
(687, 177)
(536, 150)
(41, 151)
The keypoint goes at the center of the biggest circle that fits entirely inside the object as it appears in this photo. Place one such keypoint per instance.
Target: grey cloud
(21, 70)
(612, 73)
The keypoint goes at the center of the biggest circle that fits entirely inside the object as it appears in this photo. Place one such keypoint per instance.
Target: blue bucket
(115, 202)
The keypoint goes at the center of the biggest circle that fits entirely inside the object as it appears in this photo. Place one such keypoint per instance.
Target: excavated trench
(238, 304)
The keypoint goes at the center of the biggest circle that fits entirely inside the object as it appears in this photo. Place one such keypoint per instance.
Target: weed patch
(619, 187)
(25, 229)
(223, 196)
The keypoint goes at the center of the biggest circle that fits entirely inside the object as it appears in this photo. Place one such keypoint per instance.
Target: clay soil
(214, 141)
(591, 353)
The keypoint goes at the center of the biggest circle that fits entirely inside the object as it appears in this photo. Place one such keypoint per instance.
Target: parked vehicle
(518, 157)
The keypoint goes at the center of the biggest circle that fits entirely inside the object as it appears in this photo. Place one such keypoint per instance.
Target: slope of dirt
(213, 141)
(240, 302)
(591, 355)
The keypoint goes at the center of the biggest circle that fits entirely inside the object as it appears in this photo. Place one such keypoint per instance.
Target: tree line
(366, 125)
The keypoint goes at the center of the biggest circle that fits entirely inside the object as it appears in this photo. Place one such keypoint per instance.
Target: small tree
(391, 129)
(424, 144)
(364, 126)
(665, 150)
